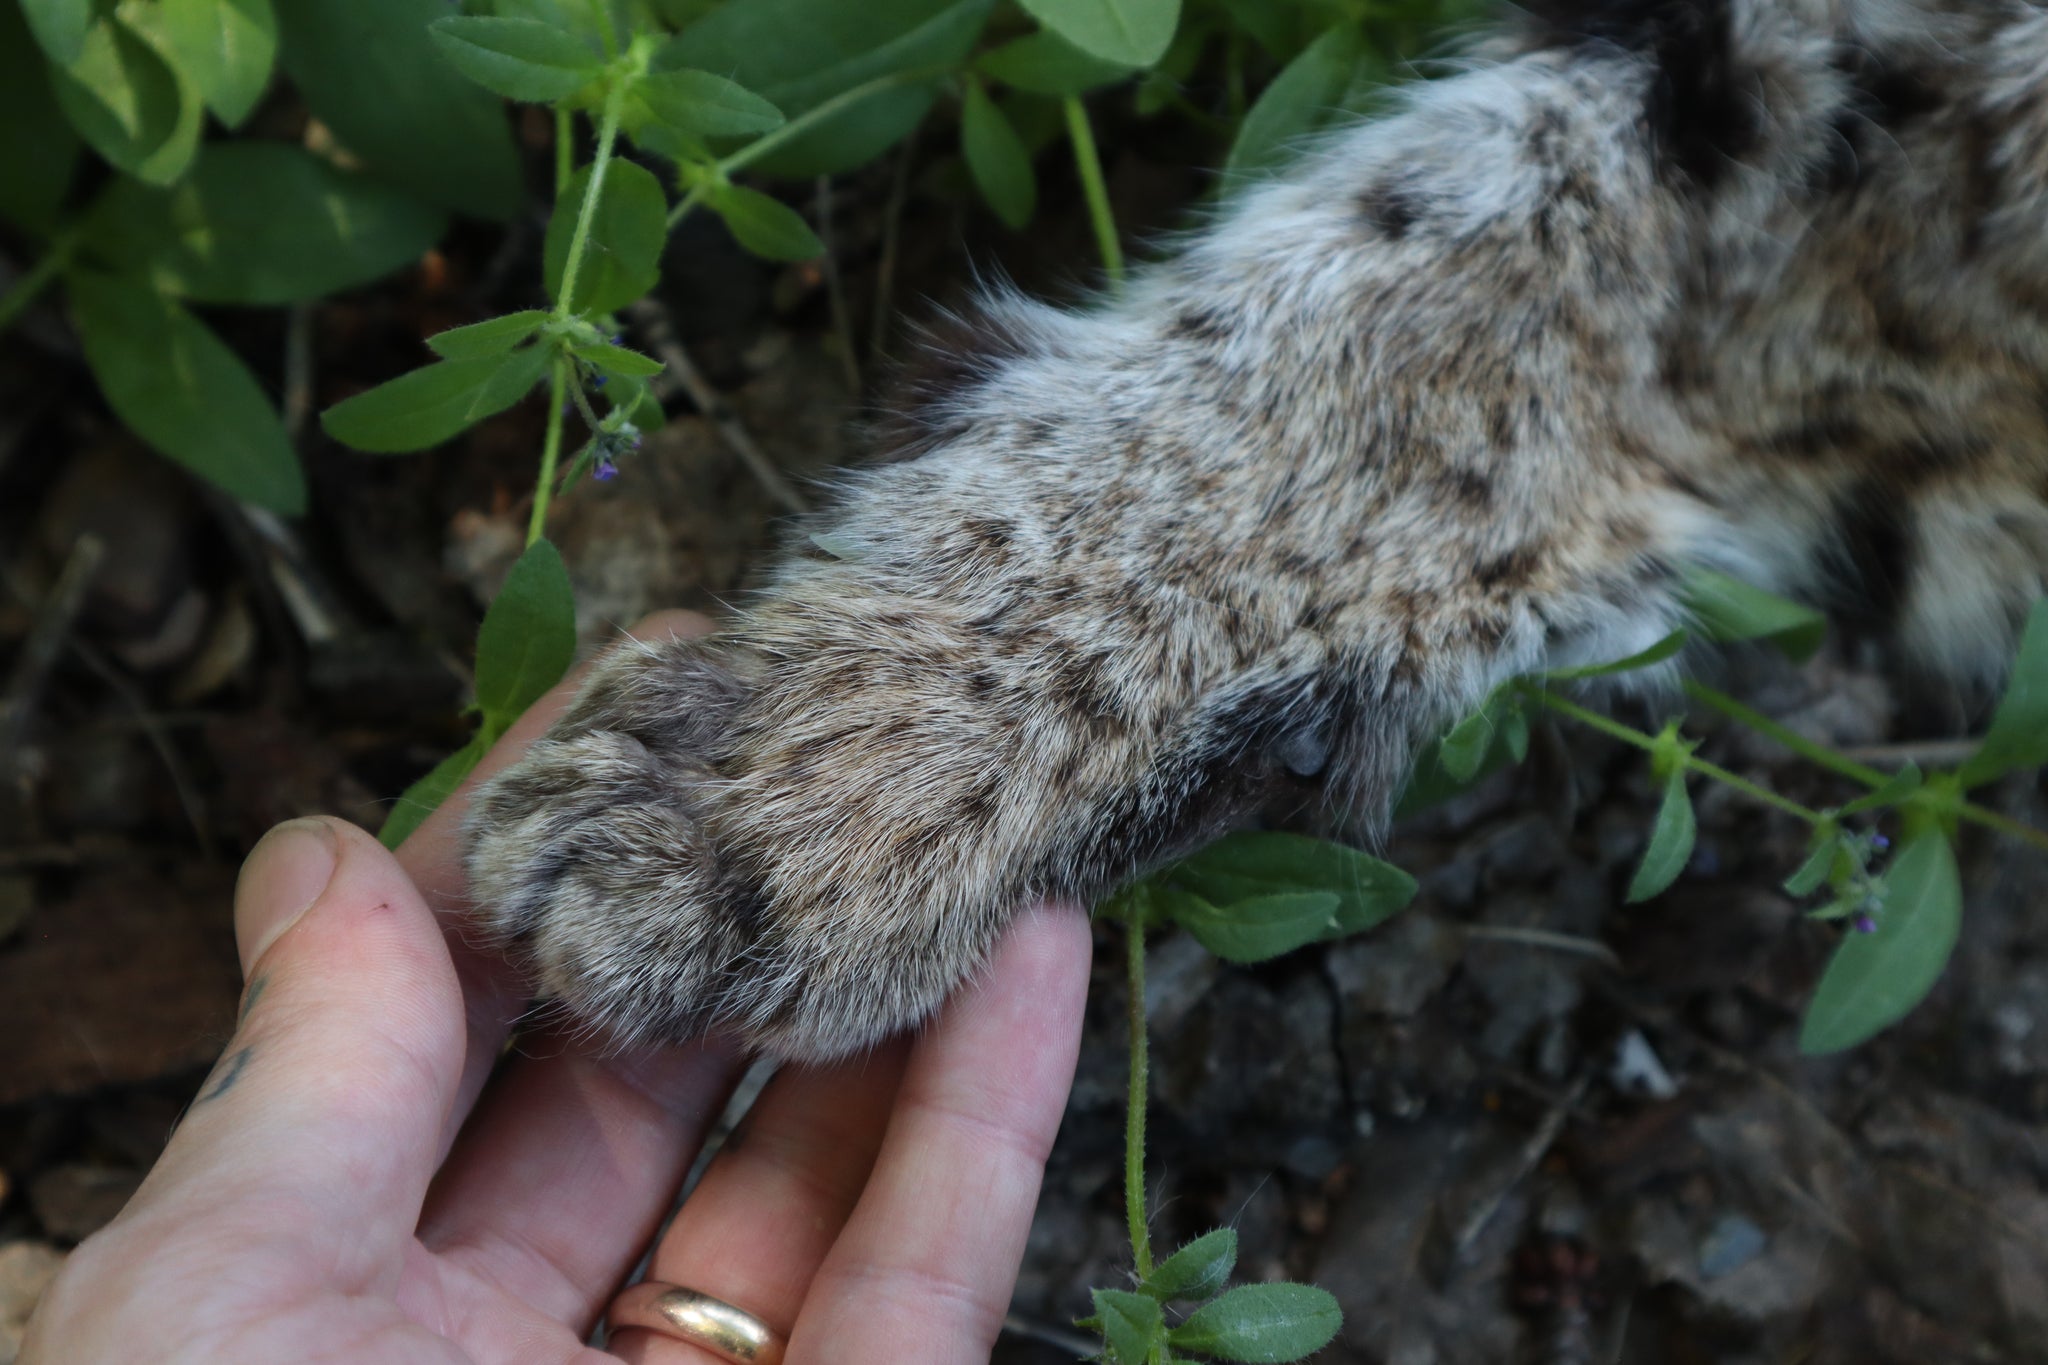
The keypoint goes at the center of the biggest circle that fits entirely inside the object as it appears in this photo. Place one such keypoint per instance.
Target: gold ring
(730, 1333)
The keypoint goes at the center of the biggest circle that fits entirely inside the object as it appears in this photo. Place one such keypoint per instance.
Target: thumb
(331, 1095)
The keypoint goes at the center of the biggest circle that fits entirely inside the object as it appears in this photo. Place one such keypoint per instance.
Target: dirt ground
(1521, 1122)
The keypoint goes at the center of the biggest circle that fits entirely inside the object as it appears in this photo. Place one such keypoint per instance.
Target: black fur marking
(954, 355)
(1200, 324)
(1225, 768)
(1885, 97)
(1700, 110)
(1876, 552)
(1510, 572)
(1390, 209)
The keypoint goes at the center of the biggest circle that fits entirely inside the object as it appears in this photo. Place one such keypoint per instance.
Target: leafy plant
(1247, 898)
(186, 222)
(1904, 916)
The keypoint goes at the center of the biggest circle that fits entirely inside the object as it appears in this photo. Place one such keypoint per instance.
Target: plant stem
(607, 135)
(689, 201)
(16, 300)
(1807, 749)
(1134, 1107)
(1629, 735)
(565, 153)
(551, 449)
(1825, 757)
(798, 126)
(1991, 819)
(1089, 165)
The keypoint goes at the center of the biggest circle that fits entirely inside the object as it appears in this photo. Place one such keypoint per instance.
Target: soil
(1524, 1121)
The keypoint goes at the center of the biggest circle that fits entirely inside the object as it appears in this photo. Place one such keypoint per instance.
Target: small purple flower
(597, 381)
(1879, 842)
(605, 472)
(1864, 924)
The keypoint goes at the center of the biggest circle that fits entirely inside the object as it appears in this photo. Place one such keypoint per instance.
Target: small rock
(1454, 883)
(1387, 1259)
(1395, 969)
(1313, 1156)
(1521, 852)
(72, 1202)
(1526, 988)
(1178, 972)
(82, 1007)
(142, 598)
(26, 1269)
(1249, 1049)
(1730, 1244)
(106, 780)
(1637, 1070)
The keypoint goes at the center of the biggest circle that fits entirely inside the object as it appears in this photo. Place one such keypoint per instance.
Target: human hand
(347, 1187)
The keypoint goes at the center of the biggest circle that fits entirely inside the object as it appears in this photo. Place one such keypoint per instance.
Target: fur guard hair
(1756, 285)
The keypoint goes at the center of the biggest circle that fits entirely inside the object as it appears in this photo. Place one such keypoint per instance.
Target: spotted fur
(1758, 285)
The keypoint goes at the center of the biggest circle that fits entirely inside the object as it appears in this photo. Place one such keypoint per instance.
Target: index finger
(493, 994)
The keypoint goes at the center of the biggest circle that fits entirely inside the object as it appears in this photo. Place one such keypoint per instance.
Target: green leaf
(430, 405)
(799, 53)
(261, 223)
(997, 158)
(1261, 1322)
(369, 70)
(1727, 610)
(1252, 864)
(1819, 863)
(1875, 978)
(1664, 649)
(60, 26)
(38, 150)
(1307, 90)
(765, 225)
(618, 361)
(521, 59)
(641, 407)
(683, 13)
(1897, 788)
(1131, 1323)
(1515, 732)
(226, 48)
(1256, 928)
(2018, 737)
(1043, 63)
(1671, 841)
(1197, 1270)
(622, 258)
(1273, 27)
(1463, 751)
(1128, 32)
(528, 637)
(425, 796)
(704, 105)
(125, 100)
(492, 336)
(179, 388)
(1430, 783)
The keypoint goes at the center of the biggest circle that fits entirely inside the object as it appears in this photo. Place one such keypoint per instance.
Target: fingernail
(285, 873)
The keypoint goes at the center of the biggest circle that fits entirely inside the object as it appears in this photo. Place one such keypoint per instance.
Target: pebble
(26, 1269)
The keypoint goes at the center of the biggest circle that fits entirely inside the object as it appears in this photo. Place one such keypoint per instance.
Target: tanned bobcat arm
(1755, 284)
